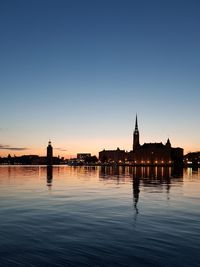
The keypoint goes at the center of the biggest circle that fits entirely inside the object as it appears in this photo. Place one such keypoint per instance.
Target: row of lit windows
(190, 162)
(156, 161)
(145, 162)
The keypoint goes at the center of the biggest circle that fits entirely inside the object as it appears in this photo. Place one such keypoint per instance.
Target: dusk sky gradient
(77, 71)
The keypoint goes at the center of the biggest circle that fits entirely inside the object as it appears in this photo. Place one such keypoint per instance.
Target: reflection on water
(99, 216)
(156, 176)
(136, 191)
(49, 175)
(141, 172)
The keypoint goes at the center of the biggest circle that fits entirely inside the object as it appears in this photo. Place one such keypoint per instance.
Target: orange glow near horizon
(90, 145)
(86, 148)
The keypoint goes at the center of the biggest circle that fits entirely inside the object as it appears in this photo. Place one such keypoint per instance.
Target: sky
(77, 72)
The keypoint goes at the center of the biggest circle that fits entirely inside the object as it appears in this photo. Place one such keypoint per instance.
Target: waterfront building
(192, 159)
(154, 153)
(113, 156)
(49, 153)
(157, 154)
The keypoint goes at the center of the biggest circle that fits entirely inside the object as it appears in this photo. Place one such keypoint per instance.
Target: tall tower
(49, 153)
(136, 137)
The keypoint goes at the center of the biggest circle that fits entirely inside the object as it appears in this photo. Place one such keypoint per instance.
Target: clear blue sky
(77, 71)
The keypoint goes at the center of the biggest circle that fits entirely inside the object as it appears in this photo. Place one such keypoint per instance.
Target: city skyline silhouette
(77, 72)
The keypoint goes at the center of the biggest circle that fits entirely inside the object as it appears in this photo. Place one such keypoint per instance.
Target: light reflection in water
(49, 176)
(149, 176)
(99, 216)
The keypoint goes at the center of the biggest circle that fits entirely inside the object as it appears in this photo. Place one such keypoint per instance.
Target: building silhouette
(48, 159)
(111, 156)
(49, 154)
(154, 153)
(192, 159)
(148, 154)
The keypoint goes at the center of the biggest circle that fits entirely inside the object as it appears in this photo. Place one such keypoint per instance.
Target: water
(78, 216)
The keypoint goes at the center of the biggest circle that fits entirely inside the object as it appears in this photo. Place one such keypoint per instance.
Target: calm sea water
(85, 216)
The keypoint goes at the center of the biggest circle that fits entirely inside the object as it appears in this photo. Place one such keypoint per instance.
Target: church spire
(136, 123)
(136, 142)
(168, 144)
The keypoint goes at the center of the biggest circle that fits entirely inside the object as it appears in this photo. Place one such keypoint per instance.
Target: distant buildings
(33, 159)
(192, 159)
(146, 154)
(83, 159)
(111, 156)
(83, 156)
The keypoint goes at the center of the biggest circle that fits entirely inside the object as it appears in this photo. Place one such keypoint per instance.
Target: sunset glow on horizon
(77, 72)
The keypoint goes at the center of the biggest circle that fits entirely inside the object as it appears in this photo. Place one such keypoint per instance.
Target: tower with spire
(136, 136)
(168, 144)
(49, 153)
